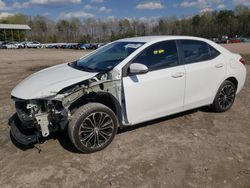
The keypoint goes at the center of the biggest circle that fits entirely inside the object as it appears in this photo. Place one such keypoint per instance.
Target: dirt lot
(242, 48)
(193, 149)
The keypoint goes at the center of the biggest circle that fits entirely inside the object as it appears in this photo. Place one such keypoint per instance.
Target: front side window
(159, 56)
(107, 57)
(195, 51)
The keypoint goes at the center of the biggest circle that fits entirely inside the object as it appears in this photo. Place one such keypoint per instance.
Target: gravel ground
(242, 48)
(198, 148)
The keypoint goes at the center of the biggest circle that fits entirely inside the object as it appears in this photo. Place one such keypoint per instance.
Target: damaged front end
(37, 119)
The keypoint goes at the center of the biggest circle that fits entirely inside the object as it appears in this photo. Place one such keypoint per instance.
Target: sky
(138, 9)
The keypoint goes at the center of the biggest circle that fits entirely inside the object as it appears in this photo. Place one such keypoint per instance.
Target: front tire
(225, 97)
(92, 127)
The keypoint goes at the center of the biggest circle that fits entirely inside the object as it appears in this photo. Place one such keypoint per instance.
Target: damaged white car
(124, 83)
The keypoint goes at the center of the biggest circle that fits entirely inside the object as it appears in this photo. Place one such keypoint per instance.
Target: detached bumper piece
(22, 136)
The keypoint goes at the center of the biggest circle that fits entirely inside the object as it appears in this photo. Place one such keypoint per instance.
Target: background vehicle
(33, 45)
(82, 46)
(24, 43)
(19, 44)
(91, 46)
(100, 45)
(126, 82)
(2, 45)
(11, 45)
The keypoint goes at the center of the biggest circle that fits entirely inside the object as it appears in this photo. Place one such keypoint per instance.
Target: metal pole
(12, 35)
(18, 35)
(5, 35)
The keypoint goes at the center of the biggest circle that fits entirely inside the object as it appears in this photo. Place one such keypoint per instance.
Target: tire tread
(82, 111)
(215, 106)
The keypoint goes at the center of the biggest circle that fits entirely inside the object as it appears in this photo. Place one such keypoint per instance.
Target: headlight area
(38, 117)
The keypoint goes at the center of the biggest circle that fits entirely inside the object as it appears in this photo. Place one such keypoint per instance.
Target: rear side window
(213, 52)
(195, 51)
(159, 56)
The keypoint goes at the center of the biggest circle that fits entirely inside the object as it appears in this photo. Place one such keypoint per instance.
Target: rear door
(159, 92)
(205, 69)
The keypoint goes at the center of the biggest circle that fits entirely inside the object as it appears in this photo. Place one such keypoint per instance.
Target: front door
(159, 92)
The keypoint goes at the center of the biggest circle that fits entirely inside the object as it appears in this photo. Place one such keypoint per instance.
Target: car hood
(49, 82)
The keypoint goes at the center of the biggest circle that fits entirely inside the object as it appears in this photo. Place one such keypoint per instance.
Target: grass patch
(247, 58)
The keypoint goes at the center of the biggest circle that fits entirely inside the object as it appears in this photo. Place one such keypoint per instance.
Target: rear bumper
(22, 136)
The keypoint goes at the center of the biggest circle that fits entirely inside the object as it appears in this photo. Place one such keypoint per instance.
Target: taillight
(243, 61)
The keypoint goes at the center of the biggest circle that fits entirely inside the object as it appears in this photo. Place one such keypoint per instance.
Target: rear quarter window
(213, 52)
(195, 51)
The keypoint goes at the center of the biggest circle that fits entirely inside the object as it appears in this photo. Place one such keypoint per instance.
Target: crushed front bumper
(22, 136)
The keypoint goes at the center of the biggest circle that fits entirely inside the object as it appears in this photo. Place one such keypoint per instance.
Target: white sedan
(11, 45)
(124, 83)
(33, 45)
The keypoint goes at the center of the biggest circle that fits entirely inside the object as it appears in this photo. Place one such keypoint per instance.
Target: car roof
(152, 39)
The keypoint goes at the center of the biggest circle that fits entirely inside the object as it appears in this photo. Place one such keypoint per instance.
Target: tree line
(211, 24)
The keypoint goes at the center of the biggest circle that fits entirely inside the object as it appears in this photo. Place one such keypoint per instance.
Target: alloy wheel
(96, 130)
(226, 97)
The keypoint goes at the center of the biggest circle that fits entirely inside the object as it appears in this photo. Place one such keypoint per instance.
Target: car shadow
(206, 109)
(64, 140)
(66, 143)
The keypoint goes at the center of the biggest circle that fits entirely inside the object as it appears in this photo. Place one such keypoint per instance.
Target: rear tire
(92, 127)
(225, 97)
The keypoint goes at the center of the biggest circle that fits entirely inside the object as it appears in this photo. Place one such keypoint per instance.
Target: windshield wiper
(82, 68)
(88, 69)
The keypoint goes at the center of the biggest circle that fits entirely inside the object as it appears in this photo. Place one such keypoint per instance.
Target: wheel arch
(229, 78)
(234, 81)
(110, 101)
(104, 98)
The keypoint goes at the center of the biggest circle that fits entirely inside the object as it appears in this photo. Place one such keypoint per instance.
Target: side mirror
(138, 68)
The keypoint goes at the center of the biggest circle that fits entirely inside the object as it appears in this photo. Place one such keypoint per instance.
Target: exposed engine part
(72, 97)
(58, 119)
(33, 107)
(25, 111)
(42, 120)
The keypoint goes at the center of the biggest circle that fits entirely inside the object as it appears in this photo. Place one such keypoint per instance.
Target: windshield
(107, 57)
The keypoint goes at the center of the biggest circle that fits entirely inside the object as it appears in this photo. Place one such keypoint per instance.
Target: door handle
(219, 65)
(178, 75)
